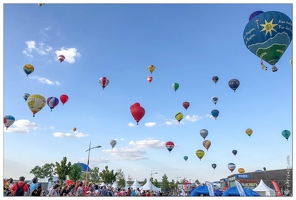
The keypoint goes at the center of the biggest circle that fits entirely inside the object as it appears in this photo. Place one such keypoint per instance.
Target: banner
(277, 189)
(240, 189)
(210, 188)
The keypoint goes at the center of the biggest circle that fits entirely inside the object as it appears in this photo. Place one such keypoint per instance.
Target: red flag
(277, 189)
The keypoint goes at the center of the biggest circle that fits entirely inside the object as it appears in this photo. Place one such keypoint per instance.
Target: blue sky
(188, 45)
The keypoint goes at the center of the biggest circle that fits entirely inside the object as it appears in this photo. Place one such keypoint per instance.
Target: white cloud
(45, 80)
(41, 49)
(170, 122)
(209, 116)
(62, 135)
(148, 143)
(193, 118)
(69, 53)
(51, 127)
(150, 124)
(22, 126)
(121, 139)
(126, 153)
(131, 124)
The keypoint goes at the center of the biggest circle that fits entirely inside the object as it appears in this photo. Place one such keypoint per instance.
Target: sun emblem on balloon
(268, 27)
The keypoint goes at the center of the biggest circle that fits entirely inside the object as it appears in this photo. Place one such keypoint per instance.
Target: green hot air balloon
(175, 86)
(286, 134)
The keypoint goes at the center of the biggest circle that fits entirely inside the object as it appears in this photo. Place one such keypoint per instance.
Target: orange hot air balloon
(249, 132)
(149, 79)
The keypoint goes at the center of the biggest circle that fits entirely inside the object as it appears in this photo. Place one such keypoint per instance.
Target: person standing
(37, 191)
(34, 185)
(20, 187)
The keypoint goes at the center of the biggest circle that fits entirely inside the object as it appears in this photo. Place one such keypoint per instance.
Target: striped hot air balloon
(179, 116)
(104, 82)
(170, 145)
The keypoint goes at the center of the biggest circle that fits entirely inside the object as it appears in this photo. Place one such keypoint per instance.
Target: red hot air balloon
(61, 58)
(104, 82)
(137, 111)
(64, 98)
(169, 145)
(186, 104)
(149, 79)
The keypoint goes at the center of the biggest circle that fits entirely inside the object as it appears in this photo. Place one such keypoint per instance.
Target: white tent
(136, 185)
(126, 186)
(114, 185)
(264, 190)
(149, 186)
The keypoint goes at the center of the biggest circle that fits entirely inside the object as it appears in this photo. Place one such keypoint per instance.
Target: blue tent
(204, 191)
(234, 192)
(83, 166)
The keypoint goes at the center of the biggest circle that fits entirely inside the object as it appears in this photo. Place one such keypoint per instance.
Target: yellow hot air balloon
(74, 129)
(241, 170)
(36, 102)
(151, 68)
(249, 132)
(200, 153)
(179, 116)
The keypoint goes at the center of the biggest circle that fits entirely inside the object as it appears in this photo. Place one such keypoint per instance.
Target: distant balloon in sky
(286, 134)
(170, 145)
(104, 82)
(206, 144)
(233, 84)
(35, 103)
(204, 133)
(215, 79)
(231, 167)
(52, 102)
(40, 4)
(268, 35)
(200, 154)
(214, 165)
(215, 113)
(215, 99)
(175, 86)
(179, 116)
(241, 170)
(274, 69)
(8, 120)
(291, 61)
(186, 104)
(149, 79)
(113, 143)
(61, 58)
(151, 68)
(137, 111)
(26, 95)
(249, 132)
(74, 129)
(28, 69)
(64, 98)
(185, 158)
(234, 152)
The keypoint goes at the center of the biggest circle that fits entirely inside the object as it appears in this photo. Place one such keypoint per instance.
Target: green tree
(130, 180)
(75, 172)
(144, 182)
(120, 178)
(108, 177)
(37, 172)
(46, 171)
(94, 175)
(155, 182)
(165, 183)
(63, 169)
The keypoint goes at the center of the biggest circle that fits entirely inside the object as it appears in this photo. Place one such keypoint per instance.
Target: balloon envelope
(8, 121)
(104, 82)
(138, 112)
(249, 132)
(231, 166)
(61, 58)
(215, 113)
(206, 144)
(215, 79)
(35, 103)
(175, 86)
(74, 129)
(215, 99)
(185, 158)
(200, 153)
(179, 116)
(234, 152)
(26, 95)
(186, 104)
(214, 165)
(83, 166)
(286, 134)
(149, 79)
(268, 35)
(170, 145)
(64, 98)
(241, 170)
(204, 133)
(151, 68)
(233, 84)
(291, 61)
(28, 69)
(113, 143)
(52, 102)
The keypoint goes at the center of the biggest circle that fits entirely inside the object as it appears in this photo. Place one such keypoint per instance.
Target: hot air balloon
(215, 113)
(151, 68)
(185, 158)
(249, 132)
(74, 129)
(179, 116)
(200, 153)
(113, 143)
(264, 168)
(186, 104)
(52, 102)
(268, 35)
(28, 68)
(286, 134)
(274, 69)
(234, 152)
(204, 133)
(36, 102)
(149, 79)
(241, 170)
(8, 121)
(61, 58)
(40, 4)
(169, 145)
(138, 112)
(215, 79)
(215, 99)
(233, 84)
(64, 98)
(214, 165)
(206, 144)
(175, 86)
(231, 167)
(104, 82)
(291, 61)
(26, 95)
